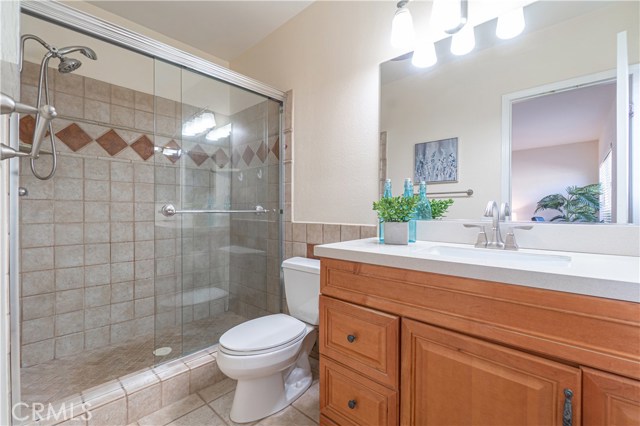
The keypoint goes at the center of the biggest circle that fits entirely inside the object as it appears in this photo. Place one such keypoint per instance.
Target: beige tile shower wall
(254, 277)
(91, 238)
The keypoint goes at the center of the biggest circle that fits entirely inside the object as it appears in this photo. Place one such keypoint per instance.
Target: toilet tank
(302, 288)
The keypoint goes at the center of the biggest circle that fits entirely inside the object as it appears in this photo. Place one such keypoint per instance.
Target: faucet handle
(481, 242)
(505, 210)
(510, 241)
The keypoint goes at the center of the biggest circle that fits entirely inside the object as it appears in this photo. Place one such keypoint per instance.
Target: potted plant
(439, 207)
(581, 204)
(396, 213)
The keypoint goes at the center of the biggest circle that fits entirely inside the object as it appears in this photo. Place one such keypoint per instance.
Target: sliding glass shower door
(217, 246)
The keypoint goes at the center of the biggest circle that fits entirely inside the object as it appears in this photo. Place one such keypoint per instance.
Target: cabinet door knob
(567, 413)
(351, 338)
(352, 404)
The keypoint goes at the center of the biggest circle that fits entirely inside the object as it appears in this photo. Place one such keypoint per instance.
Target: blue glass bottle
(408, 192)
(423, 211)
(386, 194)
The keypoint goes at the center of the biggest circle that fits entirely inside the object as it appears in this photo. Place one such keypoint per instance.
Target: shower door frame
(66, 16)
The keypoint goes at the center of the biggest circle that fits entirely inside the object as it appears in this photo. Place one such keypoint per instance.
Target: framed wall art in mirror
(436, 161)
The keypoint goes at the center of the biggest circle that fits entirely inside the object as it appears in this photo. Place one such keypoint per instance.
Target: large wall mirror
(533, 115)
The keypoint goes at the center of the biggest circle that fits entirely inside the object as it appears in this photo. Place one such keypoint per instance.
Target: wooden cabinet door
(609, 400)
(452, 379)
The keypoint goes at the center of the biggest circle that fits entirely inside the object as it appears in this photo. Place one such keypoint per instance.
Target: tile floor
(59, 378)
(211, 407)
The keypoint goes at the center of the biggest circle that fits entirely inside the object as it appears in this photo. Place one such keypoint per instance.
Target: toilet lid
(263, 333)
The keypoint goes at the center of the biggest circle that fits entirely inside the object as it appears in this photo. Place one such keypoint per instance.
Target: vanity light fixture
(510, 24)
(450, 16)
(402, 35)
(464, 41)
(425, 54)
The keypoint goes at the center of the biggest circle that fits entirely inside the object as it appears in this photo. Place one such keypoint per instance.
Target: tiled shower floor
(59, 378)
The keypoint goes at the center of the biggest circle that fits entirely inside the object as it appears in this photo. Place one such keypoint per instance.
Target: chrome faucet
(493, 212)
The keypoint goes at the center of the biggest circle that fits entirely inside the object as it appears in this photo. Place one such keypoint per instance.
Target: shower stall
(161, 226)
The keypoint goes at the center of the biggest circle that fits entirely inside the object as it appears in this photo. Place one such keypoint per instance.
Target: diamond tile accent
(235, 157)
(172, 151)
(262, 152)
(275, 149)
(112, 142)
(220, 158)
(198, 155)
(74, 137)
(143, 147)
(248, 155)
(27, 126)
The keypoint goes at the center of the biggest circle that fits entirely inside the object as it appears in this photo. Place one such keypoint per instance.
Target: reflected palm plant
(582, 204)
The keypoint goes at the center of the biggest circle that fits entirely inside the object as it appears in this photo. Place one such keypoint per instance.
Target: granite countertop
(607, 276)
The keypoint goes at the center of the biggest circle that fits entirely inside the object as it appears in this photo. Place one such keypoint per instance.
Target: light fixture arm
(464, 17)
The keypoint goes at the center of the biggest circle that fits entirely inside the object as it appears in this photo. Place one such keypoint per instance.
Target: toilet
(269, 356)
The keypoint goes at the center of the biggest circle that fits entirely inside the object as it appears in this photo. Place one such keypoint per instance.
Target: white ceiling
(573, 116)
(224, 29)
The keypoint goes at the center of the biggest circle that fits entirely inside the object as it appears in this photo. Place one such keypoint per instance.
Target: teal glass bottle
(408, 192)
(423, 211)
(386, 194)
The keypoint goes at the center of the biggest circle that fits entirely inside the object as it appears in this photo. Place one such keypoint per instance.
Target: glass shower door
(217, 260)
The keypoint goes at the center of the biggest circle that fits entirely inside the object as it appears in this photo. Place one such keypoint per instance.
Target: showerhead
(89, 53)
(68, 65)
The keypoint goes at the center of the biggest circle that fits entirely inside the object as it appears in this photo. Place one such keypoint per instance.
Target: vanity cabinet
(416, 348)
(452, 379)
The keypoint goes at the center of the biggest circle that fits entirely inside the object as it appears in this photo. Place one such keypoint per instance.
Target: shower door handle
(169, 210)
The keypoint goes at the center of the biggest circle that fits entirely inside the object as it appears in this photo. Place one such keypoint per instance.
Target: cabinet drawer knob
(351, 338)
(352, 404)
(567, 414)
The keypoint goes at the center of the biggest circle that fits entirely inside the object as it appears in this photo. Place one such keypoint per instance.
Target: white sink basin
(506, 256)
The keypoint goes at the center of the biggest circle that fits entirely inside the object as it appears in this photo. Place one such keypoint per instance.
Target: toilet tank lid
(302, 264)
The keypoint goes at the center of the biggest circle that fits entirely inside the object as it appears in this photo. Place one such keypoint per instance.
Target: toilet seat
(262, 335)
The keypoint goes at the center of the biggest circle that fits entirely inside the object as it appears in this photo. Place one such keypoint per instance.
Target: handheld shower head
(86, 51)
(68, 65)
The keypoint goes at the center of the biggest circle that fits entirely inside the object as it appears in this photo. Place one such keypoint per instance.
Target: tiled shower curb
(129, 398)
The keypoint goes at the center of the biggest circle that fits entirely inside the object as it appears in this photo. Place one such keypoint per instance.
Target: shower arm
(44, 115)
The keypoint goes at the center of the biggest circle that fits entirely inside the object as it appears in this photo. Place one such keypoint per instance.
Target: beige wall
(329, 54)
(550, 170)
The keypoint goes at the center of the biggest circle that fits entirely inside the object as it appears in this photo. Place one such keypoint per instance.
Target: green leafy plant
(581, 204)
(439, 207)
(396, 209)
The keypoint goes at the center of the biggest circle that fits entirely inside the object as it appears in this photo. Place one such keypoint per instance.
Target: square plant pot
(396, 233)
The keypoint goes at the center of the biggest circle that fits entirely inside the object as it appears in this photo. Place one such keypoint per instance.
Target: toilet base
(258, 398)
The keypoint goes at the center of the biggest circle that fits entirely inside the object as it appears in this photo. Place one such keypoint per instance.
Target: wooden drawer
(347, 398)
(361, 338)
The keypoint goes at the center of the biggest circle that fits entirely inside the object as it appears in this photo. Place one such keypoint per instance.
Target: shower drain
(162, 351)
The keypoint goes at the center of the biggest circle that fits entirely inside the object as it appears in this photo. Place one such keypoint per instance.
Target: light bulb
(402, 35)
(425, 54)
(510, 24)
(464, 41)
(208, 120)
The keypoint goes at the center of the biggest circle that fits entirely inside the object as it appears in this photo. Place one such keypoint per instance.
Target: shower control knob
(351, 338)
(352, 403)
(22, 191)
